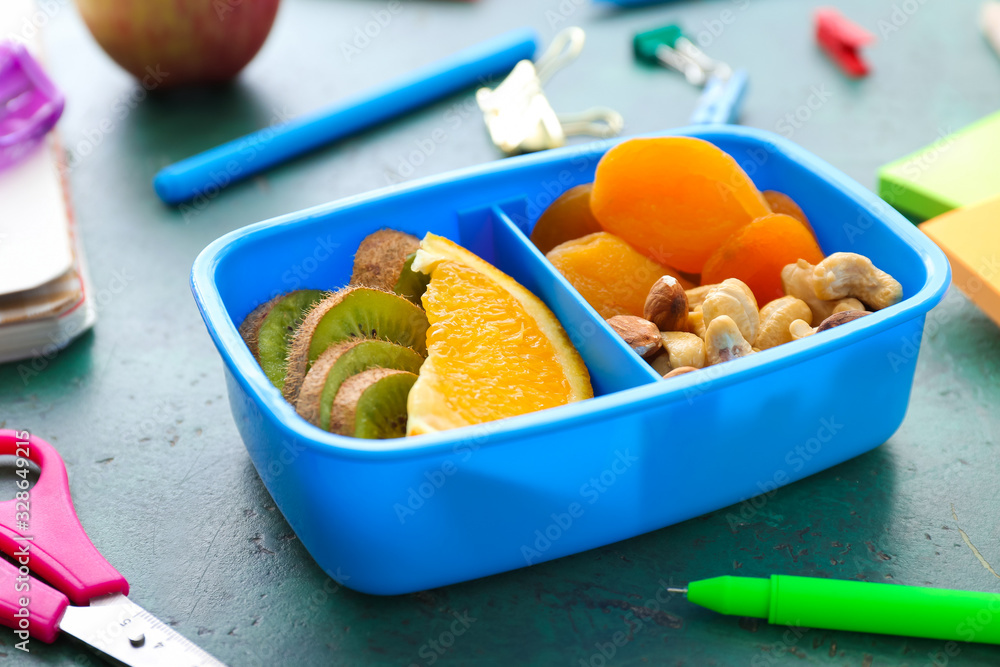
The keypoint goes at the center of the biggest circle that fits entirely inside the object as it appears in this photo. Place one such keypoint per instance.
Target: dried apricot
(782, 203)
(675, 199)
(757, 253)
(567, 218)
(610, 274)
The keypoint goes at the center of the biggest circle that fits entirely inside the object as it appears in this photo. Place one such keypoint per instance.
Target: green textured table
(165, 489)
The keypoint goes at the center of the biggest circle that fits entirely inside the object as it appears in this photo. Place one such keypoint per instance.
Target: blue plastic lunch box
(390, 517)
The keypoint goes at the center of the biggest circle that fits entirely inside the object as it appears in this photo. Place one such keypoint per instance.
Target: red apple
(174, 42)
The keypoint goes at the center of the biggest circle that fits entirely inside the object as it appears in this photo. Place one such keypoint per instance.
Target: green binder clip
(667, 46)
(724, 88)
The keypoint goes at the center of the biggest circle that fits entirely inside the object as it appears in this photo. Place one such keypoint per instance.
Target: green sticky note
(956, 170)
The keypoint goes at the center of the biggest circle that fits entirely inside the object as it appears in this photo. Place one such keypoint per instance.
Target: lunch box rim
(268, 399)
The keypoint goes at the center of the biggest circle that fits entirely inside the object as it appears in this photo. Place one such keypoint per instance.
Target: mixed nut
(684, 330)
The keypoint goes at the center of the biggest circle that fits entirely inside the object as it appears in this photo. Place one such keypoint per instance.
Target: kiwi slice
(251, 325)
(268, 330)
(372, 404)
(411, 284)
(380, 258)
(350, 314)
(341, 361)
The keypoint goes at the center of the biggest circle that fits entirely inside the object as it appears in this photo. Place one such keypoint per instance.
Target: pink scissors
(40, 532)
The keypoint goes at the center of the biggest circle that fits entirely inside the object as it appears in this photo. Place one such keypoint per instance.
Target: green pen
(931, 613)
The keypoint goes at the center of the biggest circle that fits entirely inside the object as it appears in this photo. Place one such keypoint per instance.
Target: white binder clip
(521, 120)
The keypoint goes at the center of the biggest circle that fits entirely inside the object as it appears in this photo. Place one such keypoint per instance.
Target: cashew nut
(696, 322)
(723, 341)
(734, 299)
(849, 303)
(800, 329)
(775, 317)
(839, 277)
(797, 280)
(684, 349)
(848, 274)
(696, 295)
(679, 371)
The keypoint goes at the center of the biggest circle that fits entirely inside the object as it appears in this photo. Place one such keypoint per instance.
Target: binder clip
(30, 104)
(842, 39)
(723, 87)
(519, 117)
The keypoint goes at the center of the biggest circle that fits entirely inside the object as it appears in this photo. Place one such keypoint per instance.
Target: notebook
(45, 295)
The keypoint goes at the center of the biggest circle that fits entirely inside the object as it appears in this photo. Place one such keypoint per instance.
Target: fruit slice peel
(349, 314)
(269, 329)
(341, 361)
(372, 404)
(494, 349)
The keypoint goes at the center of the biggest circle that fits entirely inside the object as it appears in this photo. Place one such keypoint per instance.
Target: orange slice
(494, 350)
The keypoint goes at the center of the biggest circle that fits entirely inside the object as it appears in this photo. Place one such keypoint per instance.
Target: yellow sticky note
(970, 237)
